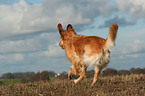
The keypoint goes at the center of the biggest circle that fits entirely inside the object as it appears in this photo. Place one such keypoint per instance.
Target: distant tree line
(108, 72)
(20, 75)
(40, 76)
(111, 72)
(44, 75)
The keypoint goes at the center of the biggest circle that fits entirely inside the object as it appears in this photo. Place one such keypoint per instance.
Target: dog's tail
(110, 41)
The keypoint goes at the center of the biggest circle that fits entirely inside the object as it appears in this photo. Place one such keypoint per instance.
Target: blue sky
(29, 37)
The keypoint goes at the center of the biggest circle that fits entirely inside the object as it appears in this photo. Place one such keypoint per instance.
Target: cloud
(27, 45)
(54, 51)
(30, 44)
(136, 47)
(16, 58)
(120, 21)
(38, 52)
(44, 45)
(24, 18)
(136, 8)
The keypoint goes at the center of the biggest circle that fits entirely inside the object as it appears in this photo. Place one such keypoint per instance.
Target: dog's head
(65, 34)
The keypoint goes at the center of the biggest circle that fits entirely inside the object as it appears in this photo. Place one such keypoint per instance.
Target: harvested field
(132, 85)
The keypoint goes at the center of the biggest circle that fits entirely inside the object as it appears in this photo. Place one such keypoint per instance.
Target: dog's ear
(60, 29)
(69, 27)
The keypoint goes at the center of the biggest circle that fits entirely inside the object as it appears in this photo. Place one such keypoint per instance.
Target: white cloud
(25, 51)
(18, 57)
(136, 8)
(34, 43)
(22, 17)
(12, 58)
(54, 51)
(136, 47)
(27, 45)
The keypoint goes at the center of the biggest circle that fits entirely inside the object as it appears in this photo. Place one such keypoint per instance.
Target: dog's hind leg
(96, 69)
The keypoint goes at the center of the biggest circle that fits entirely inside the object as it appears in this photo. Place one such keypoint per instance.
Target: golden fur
(83, 51)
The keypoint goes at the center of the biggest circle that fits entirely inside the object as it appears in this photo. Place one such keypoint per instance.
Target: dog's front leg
(83, 73)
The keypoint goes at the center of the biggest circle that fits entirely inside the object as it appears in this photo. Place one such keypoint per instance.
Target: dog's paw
(75, 81)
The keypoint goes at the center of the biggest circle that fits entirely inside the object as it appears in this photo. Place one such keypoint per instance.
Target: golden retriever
(83, 51)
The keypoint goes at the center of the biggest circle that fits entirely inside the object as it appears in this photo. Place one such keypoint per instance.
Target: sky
(29, 37)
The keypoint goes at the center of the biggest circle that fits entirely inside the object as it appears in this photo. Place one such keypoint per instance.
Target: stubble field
(129, 85)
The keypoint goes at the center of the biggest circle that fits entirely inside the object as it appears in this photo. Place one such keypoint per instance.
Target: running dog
(84, 51)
